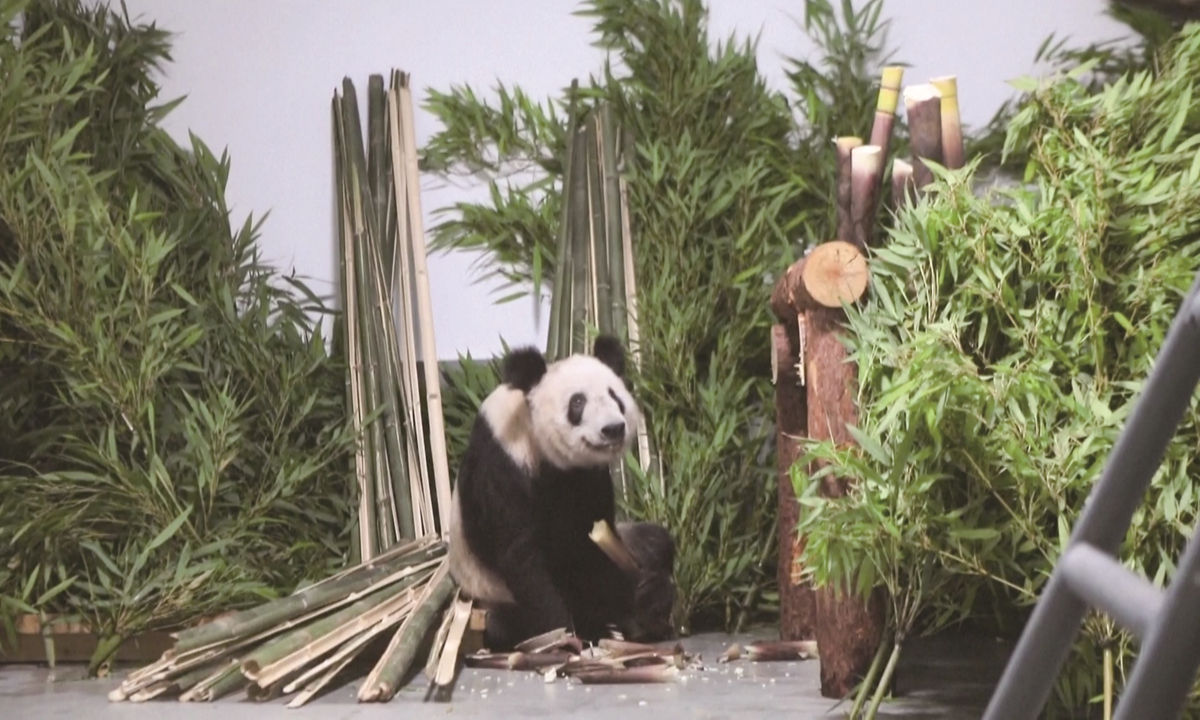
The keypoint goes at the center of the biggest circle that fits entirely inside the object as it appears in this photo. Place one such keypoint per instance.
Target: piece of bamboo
(923, 104)
(903, 187)
(845, 215)
(559, 311)
(885, 108)
(952, 139)
(866, 174)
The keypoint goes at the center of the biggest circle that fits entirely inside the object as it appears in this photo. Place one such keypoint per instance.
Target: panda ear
(524, 368)
(608, 350)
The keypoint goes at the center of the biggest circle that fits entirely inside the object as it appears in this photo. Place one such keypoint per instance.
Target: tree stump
(848, 629)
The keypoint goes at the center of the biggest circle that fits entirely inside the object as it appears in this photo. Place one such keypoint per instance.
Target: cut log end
(835, 273)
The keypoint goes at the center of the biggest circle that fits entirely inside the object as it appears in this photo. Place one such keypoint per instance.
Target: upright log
(848, 629)
(797, 602)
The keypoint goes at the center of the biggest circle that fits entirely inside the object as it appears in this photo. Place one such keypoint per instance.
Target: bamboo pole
(885, 108)
(845, 214)
(558, 310)
(952, 139)
(866, 173)
(903, 186)
(437, 428)
(924, 106)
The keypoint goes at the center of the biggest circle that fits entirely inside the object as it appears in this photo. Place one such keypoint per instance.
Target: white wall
(260, 75)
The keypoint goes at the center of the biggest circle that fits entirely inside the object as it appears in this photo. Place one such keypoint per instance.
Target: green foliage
(172, 436)
(727, 181)
(464, 388)
(1006, 336)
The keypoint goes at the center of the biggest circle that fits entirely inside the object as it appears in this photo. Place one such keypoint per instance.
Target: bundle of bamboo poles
(816, 386)
(384, 608)
(595, 285)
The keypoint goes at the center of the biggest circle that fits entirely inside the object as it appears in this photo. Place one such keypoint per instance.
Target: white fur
(568, 446)
(509, 417)
(470, 574)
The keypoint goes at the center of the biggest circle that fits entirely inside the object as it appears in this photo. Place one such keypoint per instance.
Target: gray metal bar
(1102, 581)
(1165, 669)
(1032, 669)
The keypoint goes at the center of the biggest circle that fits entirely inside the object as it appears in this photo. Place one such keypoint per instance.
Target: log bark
(885, 108)
(797, 602)
(866, 173)
(832, 273)
(848, 628)
(924, 106)
(845, 221)
(952, 139)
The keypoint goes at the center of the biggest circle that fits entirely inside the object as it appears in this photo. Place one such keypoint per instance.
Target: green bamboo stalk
(363, 533)
(385, 679)
(580, 233)
(223, 681)
(598, 236)
(263, 617)
(612, 224)
(286, 644)
(558, 293)
(105, 650)
(358, 344)
(884, 680)
(868, 682)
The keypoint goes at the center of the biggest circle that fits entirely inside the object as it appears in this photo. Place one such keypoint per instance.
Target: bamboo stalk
(222, 682)
(442, 684)
(555, 334)
(598, 235)
(614, 235)
(845, 213)
(885, 108)
(1108, 683)
(869, 681)
(866, 171)
(923, 104)
(437, 430)
(310, 691)
(952, 139)
(263, 657)
(366, 547)
(884, 680)
(262, 617)
(903, 187)
(385, 678)
(580, 268)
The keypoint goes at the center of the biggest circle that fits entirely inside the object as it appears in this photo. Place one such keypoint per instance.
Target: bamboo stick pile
(815, 386)
(595, 285)
(381, 612)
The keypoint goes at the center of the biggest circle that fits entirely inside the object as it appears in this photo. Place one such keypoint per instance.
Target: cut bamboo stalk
(923, 104)
(610, 543)
(952, 139)
(385, 678)
(866, 172)
(263, 617)
(885, 108)
(254, 664)
(310, 691)
(437, 429)
(442, 684)
(903, 186)
(439, 642)
(222, 682)
(845, 216)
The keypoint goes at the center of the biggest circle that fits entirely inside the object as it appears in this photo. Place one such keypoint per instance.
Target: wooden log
(866, 173)
(885, 109)
(797, 603)
(903, 187)
(924, 106)
(952, 139)
(833, 273)
(845, 222)
(848, 629)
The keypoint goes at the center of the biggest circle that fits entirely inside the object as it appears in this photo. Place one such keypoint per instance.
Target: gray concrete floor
(947, 678)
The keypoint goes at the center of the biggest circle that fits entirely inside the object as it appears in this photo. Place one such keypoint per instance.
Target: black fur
(524, 368)
(609, 351)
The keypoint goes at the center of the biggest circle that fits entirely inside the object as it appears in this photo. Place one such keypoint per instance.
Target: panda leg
(654, 597)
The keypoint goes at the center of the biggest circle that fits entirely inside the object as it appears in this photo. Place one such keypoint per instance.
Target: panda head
(581, 412)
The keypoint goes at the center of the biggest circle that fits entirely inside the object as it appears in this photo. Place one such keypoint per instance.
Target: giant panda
(533, 481)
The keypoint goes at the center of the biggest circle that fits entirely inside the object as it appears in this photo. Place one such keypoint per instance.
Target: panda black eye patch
(620, 405)
(575, 408)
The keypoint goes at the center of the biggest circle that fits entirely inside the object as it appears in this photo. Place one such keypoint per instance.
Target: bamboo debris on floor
(398, 588)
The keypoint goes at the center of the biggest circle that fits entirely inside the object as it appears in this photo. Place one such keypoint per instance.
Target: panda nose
(616, 431)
